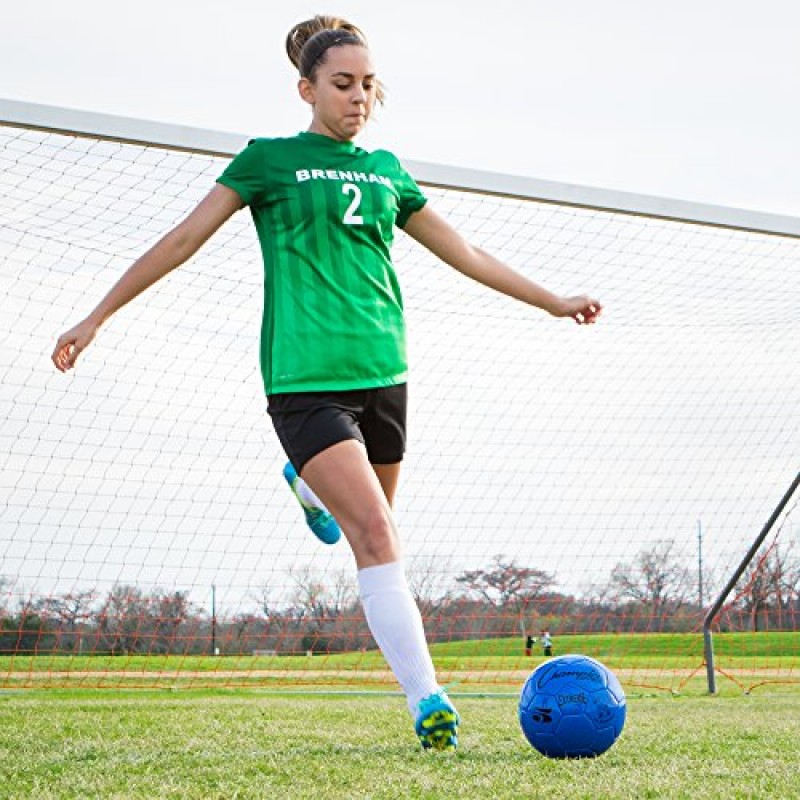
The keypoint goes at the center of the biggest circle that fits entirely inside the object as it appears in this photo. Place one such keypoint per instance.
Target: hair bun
(303, 31)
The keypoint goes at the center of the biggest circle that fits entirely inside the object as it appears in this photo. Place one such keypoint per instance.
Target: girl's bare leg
(388, 476)
(352, 490)
(359, 496)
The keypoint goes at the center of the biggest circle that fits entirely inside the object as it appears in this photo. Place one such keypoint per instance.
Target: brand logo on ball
(578, 674)
(542, 714)
(568, 699)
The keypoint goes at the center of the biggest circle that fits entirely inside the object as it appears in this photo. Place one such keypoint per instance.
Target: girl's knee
(378, 540)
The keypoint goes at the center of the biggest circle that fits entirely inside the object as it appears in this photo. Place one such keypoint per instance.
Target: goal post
(716, 608)
(601, 483)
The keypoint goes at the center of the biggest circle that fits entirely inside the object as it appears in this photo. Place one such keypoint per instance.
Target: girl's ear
(306, 90)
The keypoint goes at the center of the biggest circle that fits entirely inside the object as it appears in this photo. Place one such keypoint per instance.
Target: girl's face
(343, 93)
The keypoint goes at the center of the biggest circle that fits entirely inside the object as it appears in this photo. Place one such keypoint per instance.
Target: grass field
(249, 744)
(182, 741)
(668, 662)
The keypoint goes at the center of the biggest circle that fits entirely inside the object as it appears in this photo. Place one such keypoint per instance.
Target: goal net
(600, 483)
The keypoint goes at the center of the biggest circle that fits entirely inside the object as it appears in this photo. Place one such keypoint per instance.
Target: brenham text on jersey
(341, 175)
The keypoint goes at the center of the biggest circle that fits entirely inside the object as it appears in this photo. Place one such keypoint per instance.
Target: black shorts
(309, 422)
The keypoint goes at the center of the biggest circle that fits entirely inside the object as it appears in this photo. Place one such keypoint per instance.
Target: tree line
(652, 592)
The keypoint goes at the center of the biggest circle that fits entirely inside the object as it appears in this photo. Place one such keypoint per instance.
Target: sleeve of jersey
(411, 199)
(247, 173)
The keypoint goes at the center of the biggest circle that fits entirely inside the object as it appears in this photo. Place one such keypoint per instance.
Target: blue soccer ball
(572, 707)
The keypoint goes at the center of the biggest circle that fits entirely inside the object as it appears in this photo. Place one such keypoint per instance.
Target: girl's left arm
(438, 236)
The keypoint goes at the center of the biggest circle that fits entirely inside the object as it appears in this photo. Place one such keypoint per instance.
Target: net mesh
(601, 483)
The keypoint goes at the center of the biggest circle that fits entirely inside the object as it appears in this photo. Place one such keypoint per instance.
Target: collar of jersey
(346, 147)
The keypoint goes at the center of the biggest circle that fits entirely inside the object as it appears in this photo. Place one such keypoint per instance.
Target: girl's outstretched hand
(72, 343)
(584, 310)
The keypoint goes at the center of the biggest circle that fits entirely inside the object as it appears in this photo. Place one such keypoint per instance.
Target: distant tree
(168, 613)
(508, 586)
(123, 619)
(130, 621)
(655, 579)
(428, 579)
(341, 593)
(770, 586)
(310, 597)
(319, 604)
(317, 597)
(267, 599)
(242, 624)
(67, 612)
(25, 632)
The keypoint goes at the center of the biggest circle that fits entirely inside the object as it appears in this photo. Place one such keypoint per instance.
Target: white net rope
(563, 448)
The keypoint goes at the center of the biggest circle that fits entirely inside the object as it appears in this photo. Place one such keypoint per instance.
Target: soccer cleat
(437, 722)
(321, 521)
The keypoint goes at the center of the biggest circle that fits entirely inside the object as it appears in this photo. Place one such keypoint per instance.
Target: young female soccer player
(333, 340)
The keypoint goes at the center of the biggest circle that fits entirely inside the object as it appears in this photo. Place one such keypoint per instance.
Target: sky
(686, 99)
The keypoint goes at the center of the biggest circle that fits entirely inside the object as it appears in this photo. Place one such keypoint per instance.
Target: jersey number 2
(350, 216)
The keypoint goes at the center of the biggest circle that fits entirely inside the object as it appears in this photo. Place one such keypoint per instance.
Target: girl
(333, 339)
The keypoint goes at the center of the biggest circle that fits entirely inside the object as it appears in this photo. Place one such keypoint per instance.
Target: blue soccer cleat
(437, 722)
(321, 521)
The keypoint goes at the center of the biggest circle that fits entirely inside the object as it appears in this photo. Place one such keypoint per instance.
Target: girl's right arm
(180, 244)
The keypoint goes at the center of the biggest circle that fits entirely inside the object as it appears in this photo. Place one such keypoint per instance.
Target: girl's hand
(584, 310)
(72, 343)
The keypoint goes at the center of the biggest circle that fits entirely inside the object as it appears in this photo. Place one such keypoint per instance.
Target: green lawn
(631, 648)
(669, 662)
(617, 650)
(246, 744)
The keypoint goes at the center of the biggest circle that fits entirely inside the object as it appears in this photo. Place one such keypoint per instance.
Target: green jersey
(325, 212)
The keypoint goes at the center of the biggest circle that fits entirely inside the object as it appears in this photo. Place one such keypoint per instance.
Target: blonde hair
(308, 41)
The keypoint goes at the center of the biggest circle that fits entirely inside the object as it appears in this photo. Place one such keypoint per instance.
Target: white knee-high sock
(396, 625)
(306, 493)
